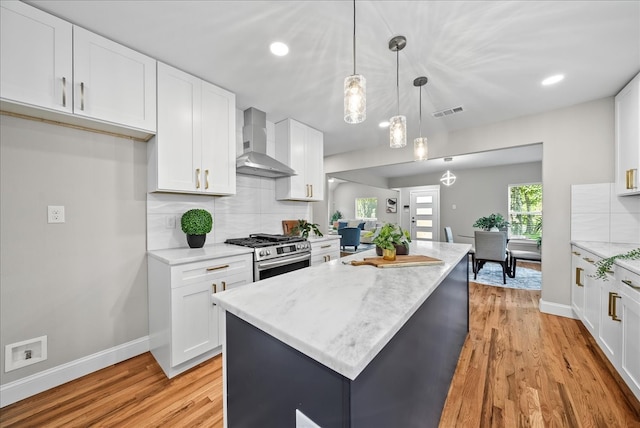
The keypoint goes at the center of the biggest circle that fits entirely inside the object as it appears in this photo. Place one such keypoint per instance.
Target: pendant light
(398, 123)
(420, 143)
(355, 88)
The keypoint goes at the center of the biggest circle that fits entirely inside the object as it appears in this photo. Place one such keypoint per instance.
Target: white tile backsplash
(598, 214)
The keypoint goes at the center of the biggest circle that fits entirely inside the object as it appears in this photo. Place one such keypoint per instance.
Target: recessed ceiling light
(552, 79)
(448, 159)
(279, 48)
(384, 124)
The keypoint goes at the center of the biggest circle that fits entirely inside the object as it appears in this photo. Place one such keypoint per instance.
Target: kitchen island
(346, 346)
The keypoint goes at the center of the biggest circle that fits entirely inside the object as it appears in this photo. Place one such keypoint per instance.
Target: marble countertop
(176, 256)
(342, 315)
(608, 249)
(325, 237)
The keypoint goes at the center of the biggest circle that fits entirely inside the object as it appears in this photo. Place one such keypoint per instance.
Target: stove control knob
(268, 252)
(298, 246)
(261, 253)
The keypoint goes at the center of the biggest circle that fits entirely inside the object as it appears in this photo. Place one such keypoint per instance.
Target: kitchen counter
(608, 249)
(176, 256)
(360, 335)
(325, 237)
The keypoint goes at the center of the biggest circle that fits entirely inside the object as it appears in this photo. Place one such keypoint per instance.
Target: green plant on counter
(604, 266)
(389, 236)
(196, 222)
(304, 227)
(491, 221)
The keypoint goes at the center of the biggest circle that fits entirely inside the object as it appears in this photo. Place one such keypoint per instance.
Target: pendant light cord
(420, 111)
(354, 37)
(398, 80)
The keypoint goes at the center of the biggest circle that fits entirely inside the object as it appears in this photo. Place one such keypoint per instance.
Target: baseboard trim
(55, 376)
(556, 309)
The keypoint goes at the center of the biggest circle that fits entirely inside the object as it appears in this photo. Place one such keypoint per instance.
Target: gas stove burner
(277, 238)
(261, 240)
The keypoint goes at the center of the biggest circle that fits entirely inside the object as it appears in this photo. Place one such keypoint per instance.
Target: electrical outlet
(170, 222)
(55, 214)
(25, 353)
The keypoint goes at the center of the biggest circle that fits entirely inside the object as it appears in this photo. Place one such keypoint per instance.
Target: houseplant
(604, 266)
(336, 216)
(391, 240)
(304, 227)
(491, 222)
(196, 223)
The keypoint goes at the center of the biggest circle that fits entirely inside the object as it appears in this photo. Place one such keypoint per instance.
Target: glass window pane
(424, 211)
(424, 223)
(366, 208)
(424, 199)
(424, 235)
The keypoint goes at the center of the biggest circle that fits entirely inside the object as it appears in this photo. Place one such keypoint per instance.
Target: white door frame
(434, 192)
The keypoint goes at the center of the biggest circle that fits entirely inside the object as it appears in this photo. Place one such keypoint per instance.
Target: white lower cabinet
(184, 327)
(610, 309)
(324, 250)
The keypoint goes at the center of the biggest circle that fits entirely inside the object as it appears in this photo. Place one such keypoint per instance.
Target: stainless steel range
(275, 254)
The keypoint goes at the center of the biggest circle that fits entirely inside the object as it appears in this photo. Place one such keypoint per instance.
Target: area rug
(491, 274)
(349, 250)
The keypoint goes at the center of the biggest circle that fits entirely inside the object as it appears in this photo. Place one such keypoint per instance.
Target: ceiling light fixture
(384, 124)
(448, 178)
(398, 123)
(279, 48)
(420, 143)
(553, 79)
(355, 88)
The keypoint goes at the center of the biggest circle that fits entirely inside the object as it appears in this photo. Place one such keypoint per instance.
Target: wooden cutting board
(400, 261)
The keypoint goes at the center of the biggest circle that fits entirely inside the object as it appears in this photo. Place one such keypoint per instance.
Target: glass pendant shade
(420, 149)
(355, 98)
(397, 132)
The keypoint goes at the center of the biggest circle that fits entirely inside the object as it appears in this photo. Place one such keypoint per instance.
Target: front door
(425, 215)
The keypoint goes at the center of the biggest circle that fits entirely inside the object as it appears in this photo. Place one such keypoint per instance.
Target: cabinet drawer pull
(64, 92)
(224, 286)
(82, 96)
(311, 186)
(197, 178)
(326, 246)
(579, 277)
(214, 286)
(588, 259)
(632, 178)
(576, 253)
(630, 284)
(206, 178)
(209, 269)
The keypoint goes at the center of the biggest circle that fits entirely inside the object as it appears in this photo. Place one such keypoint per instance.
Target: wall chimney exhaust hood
(254, 159)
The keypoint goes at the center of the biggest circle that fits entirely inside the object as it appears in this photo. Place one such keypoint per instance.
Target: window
(525, 210)
(366, 208)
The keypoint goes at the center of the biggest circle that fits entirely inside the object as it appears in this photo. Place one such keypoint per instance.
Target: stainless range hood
(254, 159)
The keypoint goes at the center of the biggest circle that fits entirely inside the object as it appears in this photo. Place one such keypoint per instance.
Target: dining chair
(491, 247)
(448, 235)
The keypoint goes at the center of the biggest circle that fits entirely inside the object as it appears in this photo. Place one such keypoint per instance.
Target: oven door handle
(286, 261)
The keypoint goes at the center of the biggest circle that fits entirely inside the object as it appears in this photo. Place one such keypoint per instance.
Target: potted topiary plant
(493, 222)
(390, 241)
(304, 227)
(196, 223)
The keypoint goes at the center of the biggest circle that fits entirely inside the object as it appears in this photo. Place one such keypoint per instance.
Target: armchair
(349, 236)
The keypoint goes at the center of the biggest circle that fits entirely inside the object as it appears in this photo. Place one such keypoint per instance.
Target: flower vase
(389, 254)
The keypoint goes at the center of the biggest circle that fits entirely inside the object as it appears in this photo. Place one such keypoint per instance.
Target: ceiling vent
(447, 112)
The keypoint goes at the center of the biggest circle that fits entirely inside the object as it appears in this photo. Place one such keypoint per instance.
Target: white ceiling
(489, 57)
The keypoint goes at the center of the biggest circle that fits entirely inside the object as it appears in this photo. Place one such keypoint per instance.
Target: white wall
(578, 148)
(345, 194)
(83, 283)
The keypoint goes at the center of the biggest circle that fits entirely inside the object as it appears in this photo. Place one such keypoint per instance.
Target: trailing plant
(196, 222)
(389, 236)
(304, 227)
(491, 221)
(603, 266)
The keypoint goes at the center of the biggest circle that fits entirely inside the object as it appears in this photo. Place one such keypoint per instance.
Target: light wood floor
(518, 368)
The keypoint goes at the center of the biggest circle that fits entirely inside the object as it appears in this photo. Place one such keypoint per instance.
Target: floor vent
(447, 112)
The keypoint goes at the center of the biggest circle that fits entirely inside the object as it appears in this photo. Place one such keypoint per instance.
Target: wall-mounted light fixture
(398, 123)
(355, 88)
(448, 178)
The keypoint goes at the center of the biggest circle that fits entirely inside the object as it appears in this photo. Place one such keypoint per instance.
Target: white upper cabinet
(301, 148)
(628, 139)
(36, 65)
(53, 70)
(194, 150)
(112, 82)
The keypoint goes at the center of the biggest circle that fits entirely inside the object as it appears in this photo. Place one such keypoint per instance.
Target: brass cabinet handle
(630, 284)
(197, 178)
(626, 179)
(215, 287)
(632, 178)
(209, 269)
(311, 186)
(588, 259)
(579, 277)
(612, 304)
(326, 246)
(576, 253)
(206, 180)
(82, 96)
(609, 304)
(64, 91)
(224, 286)
(308, 191)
